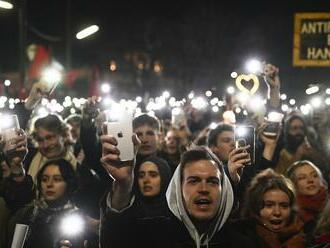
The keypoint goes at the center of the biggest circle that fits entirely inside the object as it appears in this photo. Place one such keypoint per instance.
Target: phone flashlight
(72, 224)
(245, 137)
(274, 120)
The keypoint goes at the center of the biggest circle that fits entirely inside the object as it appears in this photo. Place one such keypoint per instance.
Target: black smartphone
(245, 135)
(274, 120)
(272, 128)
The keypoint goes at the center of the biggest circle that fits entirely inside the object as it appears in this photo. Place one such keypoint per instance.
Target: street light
(87, 32)
(6, 5)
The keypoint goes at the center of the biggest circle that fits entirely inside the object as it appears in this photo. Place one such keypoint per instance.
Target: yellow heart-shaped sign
(247, 78)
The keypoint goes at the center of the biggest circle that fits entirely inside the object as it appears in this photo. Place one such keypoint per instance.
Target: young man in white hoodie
(199, 198)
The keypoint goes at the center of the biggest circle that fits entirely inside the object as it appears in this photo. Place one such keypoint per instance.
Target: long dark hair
(67, 173)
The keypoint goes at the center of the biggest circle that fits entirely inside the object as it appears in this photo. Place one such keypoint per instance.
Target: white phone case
(122, 130)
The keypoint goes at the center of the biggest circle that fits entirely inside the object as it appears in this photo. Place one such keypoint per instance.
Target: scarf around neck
(290, 236)
(310, 206)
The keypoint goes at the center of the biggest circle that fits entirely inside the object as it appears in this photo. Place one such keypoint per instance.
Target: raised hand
(90, 109)
(17, 150)
(121, 172)
(38, 91)
(271, 76)
(237, 160)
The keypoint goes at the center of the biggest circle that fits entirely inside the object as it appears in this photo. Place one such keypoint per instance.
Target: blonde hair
(290, 172)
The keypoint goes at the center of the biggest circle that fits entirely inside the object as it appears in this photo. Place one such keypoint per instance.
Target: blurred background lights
(208, 93)
(234, 74)
(242, 97)
(6, 5)
(105, 88)
(292, 101)
(256, 103)
(7, 82)
(176, 111)
(198, 103)
(305, 109)
(312, 89)
(283, 97)
(87, 32)
(51, 75)
(42, 112)
(230, 90)
(253, 66)
(213, 125)
(316, 102)
(191, 95)
(238, 110)
(327, 101)
(138, 99)
(327, 91)
(157, 67)
(215, 109)
(166, 94)
(72, 110)
(44, 101)
(113, 65)
(214, 101)
(106, 101)
(151, 106)
(151, 113)
(285, 108)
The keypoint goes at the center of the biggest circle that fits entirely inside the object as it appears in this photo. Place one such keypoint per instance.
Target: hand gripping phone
(245, 135)
(122, 130)
(274, 120)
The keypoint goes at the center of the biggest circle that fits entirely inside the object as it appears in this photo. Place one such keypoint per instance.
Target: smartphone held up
(245, 136)
(274, 120)
(119, 124)
(9, 131)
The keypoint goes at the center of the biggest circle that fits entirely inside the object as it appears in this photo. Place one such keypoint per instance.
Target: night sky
(198, 42)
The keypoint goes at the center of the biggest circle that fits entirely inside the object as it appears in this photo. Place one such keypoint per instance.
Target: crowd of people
(188, 185)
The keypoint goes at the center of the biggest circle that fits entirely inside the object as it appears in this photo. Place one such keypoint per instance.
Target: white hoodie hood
(176, 205)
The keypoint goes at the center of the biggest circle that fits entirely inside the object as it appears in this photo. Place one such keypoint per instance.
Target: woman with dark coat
(152, 177)
(53, 218)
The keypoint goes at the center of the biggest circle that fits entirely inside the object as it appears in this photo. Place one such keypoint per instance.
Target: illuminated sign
(311, 39)
(244, 79)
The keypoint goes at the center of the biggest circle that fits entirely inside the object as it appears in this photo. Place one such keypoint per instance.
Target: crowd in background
(189, 184)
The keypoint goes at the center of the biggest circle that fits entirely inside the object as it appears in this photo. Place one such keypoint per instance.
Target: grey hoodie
(176, 205)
